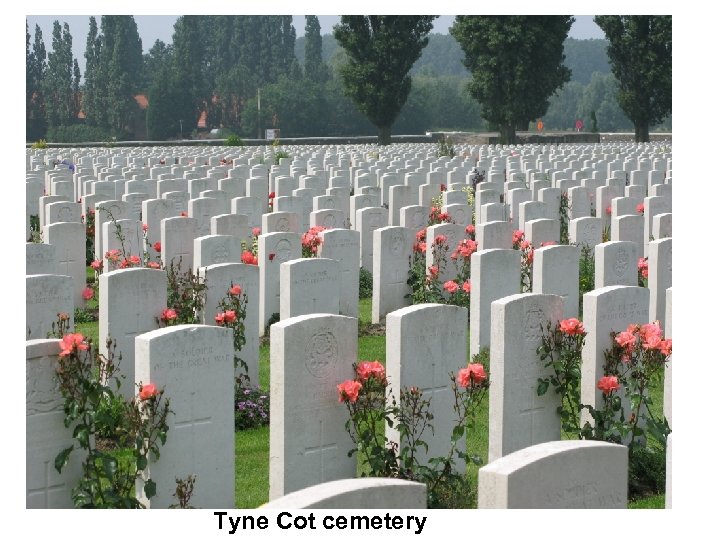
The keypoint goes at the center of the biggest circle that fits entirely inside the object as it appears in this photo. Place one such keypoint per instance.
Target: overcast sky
(153, 27)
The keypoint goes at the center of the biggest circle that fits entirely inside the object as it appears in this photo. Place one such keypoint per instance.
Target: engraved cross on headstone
(192, 423)
(48, 487)
(433, 389)
(321, 449)
(65, 261)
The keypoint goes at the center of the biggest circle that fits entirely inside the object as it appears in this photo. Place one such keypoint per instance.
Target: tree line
(373, 75)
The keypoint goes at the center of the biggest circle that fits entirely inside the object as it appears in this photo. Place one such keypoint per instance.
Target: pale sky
(152, 27)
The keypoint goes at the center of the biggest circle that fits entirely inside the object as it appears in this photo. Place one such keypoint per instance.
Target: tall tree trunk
(642, 132)
(507, 134)
(384, 135)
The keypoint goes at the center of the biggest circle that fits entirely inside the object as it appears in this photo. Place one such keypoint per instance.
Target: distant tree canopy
(516, 63)
(35, 68)
(215, 67)
(640, 54)
(381, 49)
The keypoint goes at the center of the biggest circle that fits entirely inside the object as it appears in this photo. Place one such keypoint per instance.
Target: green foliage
(445, 147)
(79, 133)
(585, 57)
(516, 65)
(231, 313)
(442, 57)
(315, 68)
(112, 408)
(381, 49)
(626, 414)
(366, 283)
(562, 353)
(35, 71)
(57, 84)
(410, 417)
(277, 156)
(564, 217)
(35, 233)
(39, 145)
(587, 271)
(84, 316)
(234, 140)
(186, 294)
(640, 54)
(92, 408)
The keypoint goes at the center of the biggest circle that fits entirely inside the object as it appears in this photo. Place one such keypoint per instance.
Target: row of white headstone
(309, 356)
(306, 281)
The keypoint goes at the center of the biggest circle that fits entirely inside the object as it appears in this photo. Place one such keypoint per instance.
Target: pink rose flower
(71, 343)
(451, 287)
(572, 327)
(608, 384)
(472, 373)
(366, 370)
(625, 339)
(88, 293)
(235, 290)
(348, 391)
(168, 314)
(147, 391)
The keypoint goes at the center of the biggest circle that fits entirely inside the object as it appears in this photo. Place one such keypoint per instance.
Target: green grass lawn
(252, 446)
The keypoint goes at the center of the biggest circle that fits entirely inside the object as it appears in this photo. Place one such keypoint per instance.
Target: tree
(92, 102)
(640, 53)
(57, 85)
(121, 61)
(516, 63)
(381, 49)
(315, 68)
(35, 67)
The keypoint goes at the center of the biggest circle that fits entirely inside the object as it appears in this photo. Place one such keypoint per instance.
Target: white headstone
(558, 474)
(40, 259)
(69, 242)
(45, 431)
(309, 356)
(605, 310)
(343, 245)
(46, 296)
(218, 279)
(518, 416)
(273, 250)
(425, 343)
(392, 249)
(194, 366)
(309, 286)
(356, 493)
(368, 220)
(659, 277)
(616, 264)
(177, 235)
(131, 301)
(494, 274)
